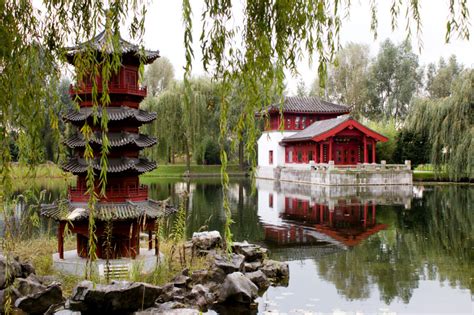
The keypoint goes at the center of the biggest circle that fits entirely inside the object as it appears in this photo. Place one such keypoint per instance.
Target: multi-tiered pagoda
(125, 204)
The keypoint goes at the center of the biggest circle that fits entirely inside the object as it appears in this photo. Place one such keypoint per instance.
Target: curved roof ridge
(309, 104)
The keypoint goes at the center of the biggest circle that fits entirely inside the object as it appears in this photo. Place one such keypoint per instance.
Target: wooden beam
(61, 239)
(366, 158)
(150, 240)
(330, 149)
(321, 153)
(373, 150)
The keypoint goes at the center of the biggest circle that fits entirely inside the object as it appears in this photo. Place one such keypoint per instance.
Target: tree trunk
(241, 155)
(188, 156)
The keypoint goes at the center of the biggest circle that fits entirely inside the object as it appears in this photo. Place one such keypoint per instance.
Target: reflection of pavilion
(295, 214)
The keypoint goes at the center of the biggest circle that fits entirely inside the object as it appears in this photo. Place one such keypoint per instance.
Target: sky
(164, 31)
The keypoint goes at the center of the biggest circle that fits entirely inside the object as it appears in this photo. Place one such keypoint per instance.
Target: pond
(367, 250)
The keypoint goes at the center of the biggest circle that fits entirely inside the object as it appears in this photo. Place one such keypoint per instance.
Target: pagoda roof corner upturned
(115, 165)
(308, 105)
(100, 43)
(322, 129)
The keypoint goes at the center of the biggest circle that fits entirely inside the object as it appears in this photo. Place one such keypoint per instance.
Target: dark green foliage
(412, 146)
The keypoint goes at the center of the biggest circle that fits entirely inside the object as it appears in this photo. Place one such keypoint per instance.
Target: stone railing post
(331, 165)
(408, 164)
(383, 163)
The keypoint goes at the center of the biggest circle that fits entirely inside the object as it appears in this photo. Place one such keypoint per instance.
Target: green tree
(440, 78)
(301, 88)
(347, 80)
(394, 78)
(158, 76)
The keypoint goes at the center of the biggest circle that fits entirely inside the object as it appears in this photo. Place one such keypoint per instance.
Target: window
(288, 124)
(310, 155)
(300, 156)
(297, 122)
(270, 157)
(290, 156)
(270, 200)
(303, 123)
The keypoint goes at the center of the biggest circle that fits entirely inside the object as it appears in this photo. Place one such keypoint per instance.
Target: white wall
(270, 141)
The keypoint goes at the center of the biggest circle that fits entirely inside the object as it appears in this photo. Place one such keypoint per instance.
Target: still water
(367, 250)
(350, 250)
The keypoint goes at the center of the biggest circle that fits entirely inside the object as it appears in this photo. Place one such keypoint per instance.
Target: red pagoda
(126, 204)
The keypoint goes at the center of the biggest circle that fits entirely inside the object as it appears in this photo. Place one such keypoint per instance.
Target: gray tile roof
(100, 43)
(113, 113)
(317, 128)
(309, 104)
(115, 165)
(116, 139)
(75, 211)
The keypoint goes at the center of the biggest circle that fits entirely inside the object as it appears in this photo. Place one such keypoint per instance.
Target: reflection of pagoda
(126, 202)
(294, 215)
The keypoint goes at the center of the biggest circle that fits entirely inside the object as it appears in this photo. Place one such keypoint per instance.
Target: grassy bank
(431, 176)
(179, 170)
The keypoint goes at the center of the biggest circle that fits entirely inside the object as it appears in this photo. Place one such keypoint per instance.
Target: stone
(238, 288)
(181, 281)
(14, 271)
(173, 308)
(229, 264)
(251, 252)
(41, 302)
(119, 296)
(14, 295)
(206, 240)
(275, 270)
(27, 269)
(169, 293)
(252, 266)
(200, 296)
(29, 285)
(259, 279)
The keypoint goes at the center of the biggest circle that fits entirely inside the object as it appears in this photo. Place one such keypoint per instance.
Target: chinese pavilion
(126, 204)
(315, 130)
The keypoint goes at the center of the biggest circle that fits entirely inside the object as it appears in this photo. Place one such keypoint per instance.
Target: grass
(178, 170)
(39, 252)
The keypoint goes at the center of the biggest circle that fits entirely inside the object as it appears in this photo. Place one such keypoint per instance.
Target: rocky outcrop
(238, 288)
(118, 297)
(41, 301)
(206, 240)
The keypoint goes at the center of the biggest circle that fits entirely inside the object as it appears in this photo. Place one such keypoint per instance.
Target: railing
(361, 166)
(114, 88)
(112, 194)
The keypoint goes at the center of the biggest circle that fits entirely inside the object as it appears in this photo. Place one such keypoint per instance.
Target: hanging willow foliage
(449, 125)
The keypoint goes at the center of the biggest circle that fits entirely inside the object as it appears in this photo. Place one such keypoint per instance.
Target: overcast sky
(164, 31)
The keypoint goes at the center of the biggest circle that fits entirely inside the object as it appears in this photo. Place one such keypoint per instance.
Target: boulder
(200, 296)
(12, 268)
(169, 308)
(238, 288)
(40, 302)
(251, 252)
(14, 295)
(181, 281)
(30, 285)
(206, 240)
(275, 270)
(171, 293)
(252, 266)
(229, 264)
(27, 269)
(259, 279)
(117, 297)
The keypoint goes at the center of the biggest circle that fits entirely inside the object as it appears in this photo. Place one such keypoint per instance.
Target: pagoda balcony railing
(114, 88)
(112, 194)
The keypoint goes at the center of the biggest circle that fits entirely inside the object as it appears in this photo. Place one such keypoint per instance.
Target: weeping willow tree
(448, 123)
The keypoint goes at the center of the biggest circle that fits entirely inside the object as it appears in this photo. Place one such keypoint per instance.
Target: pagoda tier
(116, 139)
(137, 166)
(123, 114)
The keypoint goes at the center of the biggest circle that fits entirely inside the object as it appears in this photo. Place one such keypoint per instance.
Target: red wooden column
(61, 239)
(321, 153)
(330, 149)
(321, 214)
(366, 158)
(373, 213)
(373, 150)
(157, 240)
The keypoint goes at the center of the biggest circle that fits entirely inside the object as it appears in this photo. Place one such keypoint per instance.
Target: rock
(29, 285)
(251, 252)
(118, 297)
(170, 293)
(181, 281)
(275, 270)
(14, 295)
(27, 269)
(200, 296)
(12, 268)
(252, 266)
(238, 288)
(229, 264)
(169, 308)
(40, 302)
(206, 240)
(259, 279)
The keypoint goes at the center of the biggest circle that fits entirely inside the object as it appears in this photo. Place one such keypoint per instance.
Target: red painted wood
(351, 123)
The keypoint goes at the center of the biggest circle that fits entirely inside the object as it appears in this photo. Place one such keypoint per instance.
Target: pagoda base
(73, 264)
